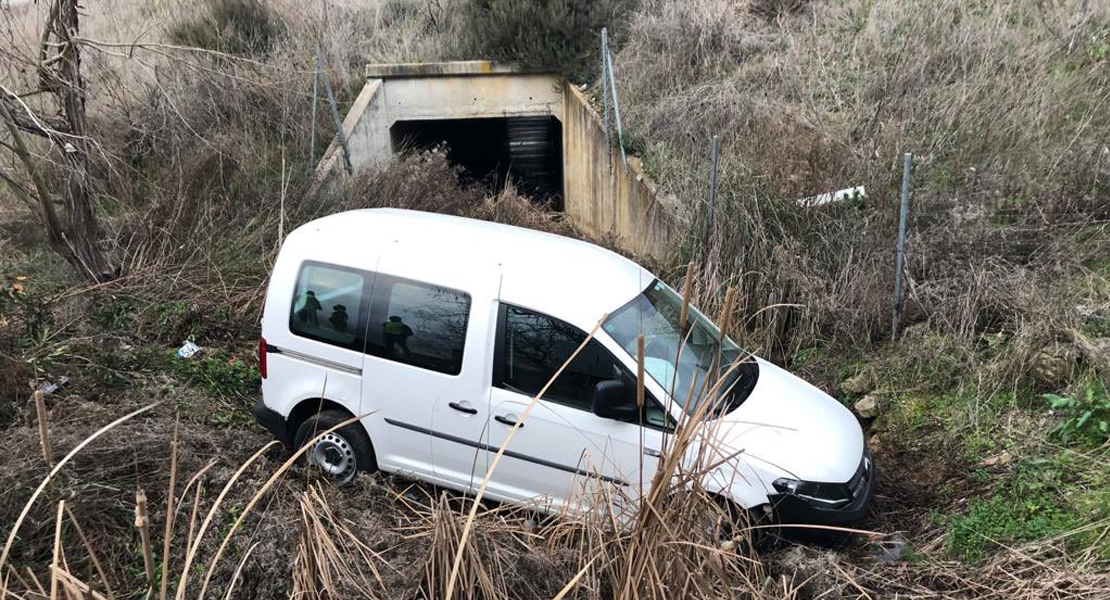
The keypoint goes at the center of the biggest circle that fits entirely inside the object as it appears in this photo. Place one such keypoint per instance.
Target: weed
(634, 145)
(1046, 496)
(222, 374)
(996, 520)
(804, 356)
(1086, 416)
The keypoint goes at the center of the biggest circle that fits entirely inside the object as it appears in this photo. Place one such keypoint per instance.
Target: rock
(1055, 364)
(868, 406)
(889, 549)
(860, 383)
(875, 443)
(1002, 458)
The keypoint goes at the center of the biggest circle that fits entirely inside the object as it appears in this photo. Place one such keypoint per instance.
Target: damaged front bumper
(793, 509)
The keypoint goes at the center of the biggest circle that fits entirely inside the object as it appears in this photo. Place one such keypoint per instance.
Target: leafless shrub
(771, 9)
(243, 27)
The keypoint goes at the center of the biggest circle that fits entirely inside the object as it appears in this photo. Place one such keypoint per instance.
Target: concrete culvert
(500, 123)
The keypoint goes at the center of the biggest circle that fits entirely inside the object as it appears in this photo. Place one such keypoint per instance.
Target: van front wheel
(338, 454)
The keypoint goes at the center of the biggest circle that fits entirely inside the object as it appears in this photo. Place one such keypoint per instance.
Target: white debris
(826, 198)
(188, 349)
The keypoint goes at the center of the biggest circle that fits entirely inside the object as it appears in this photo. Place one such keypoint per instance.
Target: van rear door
(313, 333)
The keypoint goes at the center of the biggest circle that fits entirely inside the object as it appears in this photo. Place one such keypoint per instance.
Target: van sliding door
(426, 378)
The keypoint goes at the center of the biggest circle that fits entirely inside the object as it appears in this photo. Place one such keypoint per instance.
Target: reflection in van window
(327, 304)
(535, 346)
(418, 324)
(688, 361)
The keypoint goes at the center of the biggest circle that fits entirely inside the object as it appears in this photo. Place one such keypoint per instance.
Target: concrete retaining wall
(609, 201)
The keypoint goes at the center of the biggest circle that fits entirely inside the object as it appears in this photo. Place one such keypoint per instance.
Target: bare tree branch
(24, 194)
(74, 231)
(24, 118)
(45, 206)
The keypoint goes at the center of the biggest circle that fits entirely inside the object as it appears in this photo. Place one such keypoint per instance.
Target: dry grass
(1003, 105)
(286, 535)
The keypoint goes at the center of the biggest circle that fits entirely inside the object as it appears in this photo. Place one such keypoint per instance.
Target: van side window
(418, 324)
(327, 305)
(533, 348)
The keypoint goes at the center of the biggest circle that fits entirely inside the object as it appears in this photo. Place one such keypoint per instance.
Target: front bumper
(272, 421)
(793, 510)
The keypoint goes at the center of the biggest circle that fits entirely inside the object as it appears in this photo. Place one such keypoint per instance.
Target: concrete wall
(481, 94)
(602, 202)
(362, 128)
(609, 201)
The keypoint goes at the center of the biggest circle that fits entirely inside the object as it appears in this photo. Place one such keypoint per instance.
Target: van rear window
(418, 324)
(328, 305)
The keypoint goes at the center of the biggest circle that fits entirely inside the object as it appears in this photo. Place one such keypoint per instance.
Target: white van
(438, 331)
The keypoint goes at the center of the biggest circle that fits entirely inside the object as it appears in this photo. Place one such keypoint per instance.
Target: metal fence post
(616, 104)
(710, 222)
(312, 135)
(900, 255)
(334, 112)
(605, 90)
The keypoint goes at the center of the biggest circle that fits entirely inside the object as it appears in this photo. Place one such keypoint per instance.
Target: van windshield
(687, 364)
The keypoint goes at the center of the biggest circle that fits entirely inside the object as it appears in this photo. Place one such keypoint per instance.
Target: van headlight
(829, 495)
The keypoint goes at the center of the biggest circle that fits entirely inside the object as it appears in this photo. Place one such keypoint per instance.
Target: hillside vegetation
(989, 412)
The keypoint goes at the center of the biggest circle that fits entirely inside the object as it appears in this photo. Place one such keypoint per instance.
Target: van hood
(789, 428)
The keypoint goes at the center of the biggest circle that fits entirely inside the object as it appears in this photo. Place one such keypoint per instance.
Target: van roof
(573, 280)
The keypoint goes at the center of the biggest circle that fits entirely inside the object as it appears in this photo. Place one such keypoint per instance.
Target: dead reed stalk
(142, 523)
(167, 535)
(56, 562)
(44, 429)
(38, 491)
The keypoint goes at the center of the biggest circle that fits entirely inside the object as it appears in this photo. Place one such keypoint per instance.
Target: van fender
(740, 485)
(334, 390)
(308, 396)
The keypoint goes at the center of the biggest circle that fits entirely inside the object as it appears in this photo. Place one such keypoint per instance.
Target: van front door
(426, 371)
(564, 455)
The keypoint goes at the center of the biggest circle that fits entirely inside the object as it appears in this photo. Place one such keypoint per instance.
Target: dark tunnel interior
(490, 151)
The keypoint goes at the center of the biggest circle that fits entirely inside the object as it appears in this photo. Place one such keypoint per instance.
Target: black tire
(340, 454)
(745, 527)
(762, 534)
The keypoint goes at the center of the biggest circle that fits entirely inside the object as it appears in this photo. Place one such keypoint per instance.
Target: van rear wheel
(338, 454)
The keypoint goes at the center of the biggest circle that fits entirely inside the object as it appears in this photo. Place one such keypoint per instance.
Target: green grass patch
(1044, 497)
(168, 321)
(221, 374)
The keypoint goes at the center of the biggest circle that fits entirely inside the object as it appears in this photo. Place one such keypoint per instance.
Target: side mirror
(611, 400)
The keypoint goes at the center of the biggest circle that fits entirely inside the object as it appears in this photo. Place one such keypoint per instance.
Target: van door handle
(507, 421)
(466, 409)
(653, 452)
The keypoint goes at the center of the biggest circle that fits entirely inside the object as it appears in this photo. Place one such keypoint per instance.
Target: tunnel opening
(491, 151)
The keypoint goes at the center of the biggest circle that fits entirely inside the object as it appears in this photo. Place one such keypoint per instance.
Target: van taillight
(262, 357)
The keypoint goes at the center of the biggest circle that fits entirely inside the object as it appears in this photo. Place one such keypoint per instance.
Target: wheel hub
(334, 455)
